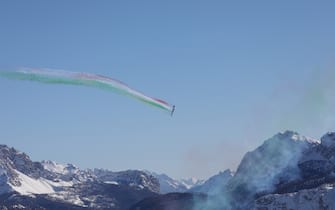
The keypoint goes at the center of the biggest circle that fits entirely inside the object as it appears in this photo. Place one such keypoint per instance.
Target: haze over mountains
(288, 171)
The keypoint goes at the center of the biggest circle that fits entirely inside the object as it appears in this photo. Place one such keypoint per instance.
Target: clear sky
(237, 71)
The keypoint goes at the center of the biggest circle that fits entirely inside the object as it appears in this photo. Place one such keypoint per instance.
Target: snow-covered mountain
(272, 163)
(314, 189)
(268, 168)
(168, 184)
(67, 184)
(288, 171)
(19, 174)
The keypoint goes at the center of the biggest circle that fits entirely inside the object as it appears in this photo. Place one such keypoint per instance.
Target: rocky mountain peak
(11, 159)
(13, 156)
(136, 178)
(289, 135)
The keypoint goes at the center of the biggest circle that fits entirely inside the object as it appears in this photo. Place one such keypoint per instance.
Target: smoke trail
(84, 79)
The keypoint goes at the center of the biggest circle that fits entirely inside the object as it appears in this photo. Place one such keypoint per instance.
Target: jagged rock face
(129, 177)
(11, 159)
(66, 172)
(20, 161)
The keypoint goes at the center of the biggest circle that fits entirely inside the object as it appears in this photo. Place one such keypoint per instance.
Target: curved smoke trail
(85, 79)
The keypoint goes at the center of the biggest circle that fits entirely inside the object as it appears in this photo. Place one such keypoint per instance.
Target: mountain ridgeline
(288, 171)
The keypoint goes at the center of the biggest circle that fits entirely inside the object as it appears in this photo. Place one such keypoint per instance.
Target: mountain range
(288, 171)
(47, 184)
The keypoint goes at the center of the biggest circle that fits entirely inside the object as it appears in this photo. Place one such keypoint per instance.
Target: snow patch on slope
(37, 186)
(32, 186)
(111, 182)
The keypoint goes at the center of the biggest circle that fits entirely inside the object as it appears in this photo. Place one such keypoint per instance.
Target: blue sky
(238, 72)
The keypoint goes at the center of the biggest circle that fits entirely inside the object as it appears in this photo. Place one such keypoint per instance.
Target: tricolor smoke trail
(84, 79)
